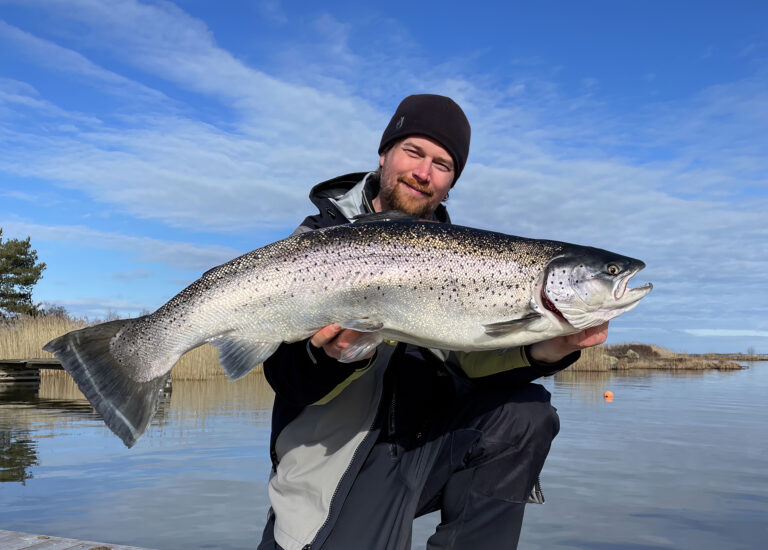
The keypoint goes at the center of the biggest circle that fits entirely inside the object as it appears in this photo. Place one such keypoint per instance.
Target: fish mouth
(625, 295)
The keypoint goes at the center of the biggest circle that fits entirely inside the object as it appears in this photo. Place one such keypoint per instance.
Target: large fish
(434, 285)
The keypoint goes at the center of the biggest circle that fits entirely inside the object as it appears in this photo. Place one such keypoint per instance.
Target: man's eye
(412, 152)
(443, 167)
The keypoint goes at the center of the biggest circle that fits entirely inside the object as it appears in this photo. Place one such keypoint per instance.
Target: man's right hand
(334, 340)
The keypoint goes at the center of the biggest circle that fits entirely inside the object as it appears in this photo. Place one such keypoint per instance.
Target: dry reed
(636, 356)
(25, 336)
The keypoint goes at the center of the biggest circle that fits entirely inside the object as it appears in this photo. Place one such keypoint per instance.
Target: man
(360, 449)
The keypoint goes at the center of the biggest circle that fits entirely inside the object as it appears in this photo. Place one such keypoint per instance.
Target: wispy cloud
(58, 58)
(99, 308)
(173, 254)
(727, 333)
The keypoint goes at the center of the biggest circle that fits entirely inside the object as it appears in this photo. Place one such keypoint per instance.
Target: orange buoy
(608, 395)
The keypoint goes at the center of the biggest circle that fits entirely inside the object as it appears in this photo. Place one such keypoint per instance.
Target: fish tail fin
(126, 405)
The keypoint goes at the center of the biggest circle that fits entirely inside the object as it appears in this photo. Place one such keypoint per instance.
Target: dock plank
(14, 540)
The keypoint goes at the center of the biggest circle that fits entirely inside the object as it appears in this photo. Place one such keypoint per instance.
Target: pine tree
(19, 272)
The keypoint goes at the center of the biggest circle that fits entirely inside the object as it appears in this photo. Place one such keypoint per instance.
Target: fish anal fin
(239, 356)
(504, 328)
(364, 324)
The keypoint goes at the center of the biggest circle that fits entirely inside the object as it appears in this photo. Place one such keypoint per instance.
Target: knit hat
(436, 117)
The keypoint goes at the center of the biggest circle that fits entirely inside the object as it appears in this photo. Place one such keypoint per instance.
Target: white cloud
(718, 333)
(99, 308)
(58, 58)
(173, 254)
(20, 96)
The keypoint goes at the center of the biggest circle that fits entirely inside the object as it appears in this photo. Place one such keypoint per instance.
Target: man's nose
(423, 170)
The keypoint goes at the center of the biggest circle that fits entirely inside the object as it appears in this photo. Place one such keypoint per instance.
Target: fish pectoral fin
(362, 346)
(239, 356)
(364, 324)
(513, 325)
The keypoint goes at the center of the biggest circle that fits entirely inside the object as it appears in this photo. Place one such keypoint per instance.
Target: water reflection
(591, 385)
(18, 453)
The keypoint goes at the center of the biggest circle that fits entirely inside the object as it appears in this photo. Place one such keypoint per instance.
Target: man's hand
(334, 340)
(551, 351)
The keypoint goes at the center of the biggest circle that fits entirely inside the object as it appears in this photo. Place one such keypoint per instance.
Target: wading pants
(477, 464)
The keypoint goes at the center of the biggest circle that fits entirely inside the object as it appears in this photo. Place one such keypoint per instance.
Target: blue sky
(143, 142)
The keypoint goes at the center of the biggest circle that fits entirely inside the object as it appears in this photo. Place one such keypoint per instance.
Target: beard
(395, 197)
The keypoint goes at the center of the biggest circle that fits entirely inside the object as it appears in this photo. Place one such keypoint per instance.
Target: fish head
(589, 286)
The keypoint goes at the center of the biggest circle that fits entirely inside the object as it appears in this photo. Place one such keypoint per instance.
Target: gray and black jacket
(327, 415)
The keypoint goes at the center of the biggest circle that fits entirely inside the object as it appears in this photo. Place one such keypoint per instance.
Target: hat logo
(400, 123)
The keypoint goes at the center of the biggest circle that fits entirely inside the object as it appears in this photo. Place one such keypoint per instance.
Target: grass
(25, 336)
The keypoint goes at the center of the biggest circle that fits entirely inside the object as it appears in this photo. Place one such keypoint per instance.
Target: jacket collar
(353, 194)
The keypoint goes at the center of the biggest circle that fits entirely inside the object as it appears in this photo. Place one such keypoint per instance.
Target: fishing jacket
(328, 415)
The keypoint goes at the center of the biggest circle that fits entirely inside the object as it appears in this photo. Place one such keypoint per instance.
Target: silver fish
(435, 285)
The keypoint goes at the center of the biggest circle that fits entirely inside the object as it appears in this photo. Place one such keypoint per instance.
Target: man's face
(416, 175)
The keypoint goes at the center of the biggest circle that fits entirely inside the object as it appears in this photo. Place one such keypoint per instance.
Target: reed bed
(201, 364)
(636, 356)
(25, 336)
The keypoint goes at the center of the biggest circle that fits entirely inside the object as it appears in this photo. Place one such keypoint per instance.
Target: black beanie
(436, 117)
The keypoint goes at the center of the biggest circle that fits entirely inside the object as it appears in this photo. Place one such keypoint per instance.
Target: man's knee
(514, 444)
(523, 417)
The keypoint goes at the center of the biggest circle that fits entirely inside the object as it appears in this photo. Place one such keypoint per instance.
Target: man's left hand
(551, 351)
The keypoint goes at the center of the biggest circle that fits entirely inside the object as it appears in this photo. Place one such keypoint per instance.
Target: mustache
(410, 182)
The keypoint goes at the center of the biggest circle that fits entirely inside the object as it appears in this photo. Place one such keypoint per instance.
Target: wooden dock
(12, 540)
(25, 371)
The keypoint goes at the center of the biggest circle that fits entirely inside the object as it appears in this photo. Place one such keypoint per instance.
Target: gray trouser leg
(483, 498)
(477, 465)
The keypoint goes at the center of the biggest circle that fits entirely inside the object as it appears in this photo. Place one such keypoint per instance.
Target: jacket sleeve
(510, 366)
(302, 374)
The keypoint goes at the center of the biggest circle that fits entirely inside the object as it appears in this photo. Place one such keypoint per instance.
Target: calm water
(675, 461)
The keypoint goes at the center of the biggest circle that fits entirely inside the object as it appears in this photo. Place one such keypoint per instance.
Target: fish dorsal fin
(386, 216)
(239, 356)
(512, 325)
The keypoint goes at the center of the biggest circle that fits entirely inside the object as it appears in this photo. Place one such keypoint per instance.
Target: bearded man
(361, 449)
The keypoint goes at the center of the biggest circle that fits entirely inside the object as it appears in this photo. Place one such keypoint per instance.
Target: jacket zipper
(392, 424)
(537, 495)
(349, 466)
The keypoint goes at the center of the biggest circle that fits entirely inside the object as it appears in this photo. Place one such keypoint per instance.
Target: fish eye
(613, 269)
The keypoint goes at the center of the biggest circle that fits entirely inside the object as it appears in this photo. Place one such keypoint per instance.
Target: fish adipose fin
(125, 405)
(238, 356)
(513, 325)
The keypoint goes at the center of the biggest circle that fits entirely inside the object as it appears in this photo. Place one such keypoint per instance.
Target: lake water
(674, 461)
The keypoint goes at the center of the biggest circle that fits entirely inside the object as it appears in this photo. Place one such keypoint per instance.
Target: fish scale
(434, 285)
